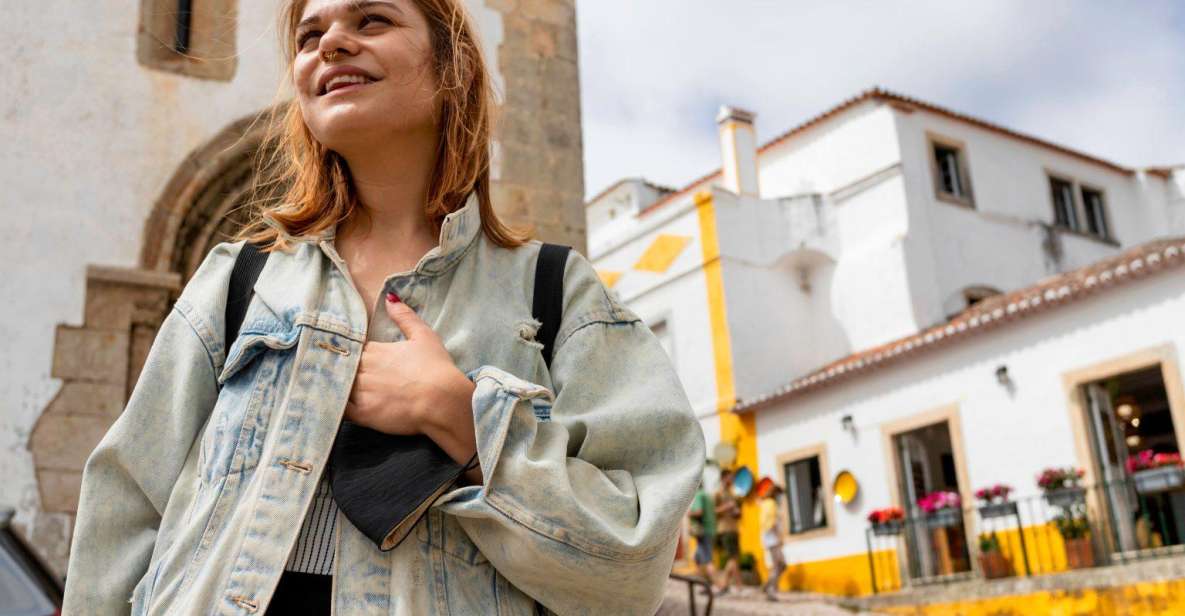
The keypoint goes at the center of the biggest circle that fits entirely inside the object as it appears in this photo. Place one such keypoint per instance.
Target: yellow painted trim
(718, 318)
(1141, 599)
(847, 576)
(608, 278)
(661, 253)
(741, 430)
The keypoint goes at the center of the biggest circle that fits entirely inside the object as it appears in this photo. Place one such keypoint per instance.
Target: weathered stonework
(211, 52)
(98, 364)
(540, 178)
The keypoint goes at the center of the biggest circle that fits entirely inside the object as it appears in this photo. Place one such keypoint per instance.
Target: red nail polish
(391, 297)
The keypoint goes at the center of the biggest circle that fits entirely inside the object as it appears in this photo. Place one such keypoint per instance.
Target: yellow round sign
(845, 487)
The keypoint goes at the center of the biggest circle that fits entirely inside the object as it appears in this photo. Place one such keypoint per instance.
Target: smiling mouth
(346, 82)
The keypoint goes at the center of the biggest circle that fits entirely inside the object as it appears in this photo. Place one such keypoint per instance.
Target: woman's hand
(413, 387)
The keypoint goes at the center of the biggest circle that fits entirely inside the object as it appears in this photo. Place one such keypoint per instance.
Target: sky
(1100, 76)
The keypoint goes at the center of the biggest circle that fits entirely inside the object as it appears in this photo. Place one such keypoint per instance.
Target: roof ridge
(1149, 258)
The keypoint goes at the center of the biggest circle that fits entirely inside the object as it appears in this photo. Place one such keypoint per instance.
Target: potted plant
(1062, 486)
(1156, 472)
(992, 560)
(941, 508)
(887, 521)
(1074, 528)
(748, 566)
(995, 501)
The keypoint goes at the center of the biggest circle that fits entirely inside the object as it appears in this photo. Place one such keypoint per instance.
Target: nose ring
(329, 56)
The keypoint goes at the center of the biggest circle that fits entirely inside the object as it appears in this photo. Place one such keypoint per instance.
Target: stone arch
(201, 204)
(100, 361)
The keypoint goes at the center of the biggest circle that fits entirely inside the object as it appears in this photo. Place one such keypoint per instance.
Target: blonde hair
(303, 188)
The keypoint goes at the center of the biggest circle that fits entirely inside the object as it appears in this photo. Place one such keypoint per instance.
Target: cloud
(1104, 77)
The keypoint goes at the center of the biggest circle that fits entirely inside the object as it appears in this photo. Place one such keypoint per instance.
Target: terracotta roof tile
(986, 315)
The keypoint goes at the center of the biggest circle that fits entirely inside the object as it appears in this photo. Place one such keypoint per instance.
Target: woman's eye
(369, 18)
(304, 38)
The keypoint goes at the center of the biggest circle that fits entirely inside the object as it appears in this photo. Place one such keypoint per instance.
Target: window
(187, 37)
(1085, 215)
(952, 182)
(1095, 214)
(804, 495)
(1065, 213)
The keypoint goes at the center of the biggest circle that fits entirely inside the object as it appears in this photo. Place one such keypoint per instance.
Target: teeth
(345, 79)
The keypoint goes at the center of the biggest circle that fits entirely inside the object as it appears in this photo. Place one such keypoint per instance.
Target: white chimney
(738, 147)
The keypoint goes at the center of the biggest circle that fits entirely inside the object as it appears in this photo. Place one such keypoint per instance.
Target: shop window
(189, 37)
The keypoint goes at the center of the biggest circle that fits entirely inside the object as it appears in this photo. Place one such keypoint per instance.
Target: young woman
(393, 298)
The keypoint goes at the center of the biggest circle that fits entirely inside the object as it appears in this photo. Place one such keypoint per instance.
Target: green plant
(747, 562)
(1072, 525)
(989, 542)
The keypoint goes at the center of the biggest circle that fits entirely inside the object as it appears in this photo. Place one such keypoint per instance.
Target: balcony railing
(1139, 517)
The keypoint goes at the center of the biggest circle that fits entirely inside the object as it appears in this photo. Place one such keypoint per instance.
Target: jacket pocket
(253, 380)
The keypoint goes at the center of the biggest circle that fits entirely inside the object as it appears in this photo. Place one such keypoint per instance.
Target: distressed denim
(193, 499)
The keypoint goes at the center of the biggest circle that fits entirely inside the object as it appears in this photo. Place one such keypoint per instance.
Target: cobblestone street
(752, 601)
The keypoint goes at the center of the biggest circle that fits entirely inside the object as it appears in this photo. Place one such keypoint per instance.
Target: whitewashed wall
(1007, 438)
(999, 243)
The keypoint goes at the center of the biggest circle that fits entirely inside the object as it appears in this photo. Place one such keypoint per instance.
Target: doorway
(1135, 451)
(928, 460)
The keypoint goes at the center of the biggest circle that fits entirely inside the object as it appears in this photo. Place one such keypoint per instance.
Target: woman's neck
(392, 180)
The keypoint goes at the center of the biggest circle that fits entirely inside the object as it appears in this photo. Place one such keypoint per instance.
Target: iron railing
(1140, 516)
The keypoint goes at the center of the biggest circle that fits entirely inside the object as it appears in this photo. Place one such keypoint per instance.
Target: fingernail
(391, 297)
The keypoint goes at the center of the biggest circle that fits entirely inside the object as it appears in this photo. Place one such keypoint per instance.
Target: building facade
(869, 231)
(132, 134)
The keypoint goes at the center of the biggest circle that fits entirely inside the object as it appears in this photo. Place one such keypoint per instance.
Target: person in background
(728, 513)
(771, 538)
(703, 528)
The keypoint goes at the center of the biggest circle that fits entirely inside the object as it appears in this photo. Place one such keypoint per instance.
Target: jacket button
(244, 602)
(300, 467)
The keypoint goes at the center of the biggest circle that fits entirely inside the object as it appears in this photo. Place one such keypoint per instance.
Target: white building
(860, 238)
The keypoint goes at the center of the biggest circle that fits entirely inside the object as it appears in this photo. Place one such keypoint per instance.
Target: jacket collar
(456, 233)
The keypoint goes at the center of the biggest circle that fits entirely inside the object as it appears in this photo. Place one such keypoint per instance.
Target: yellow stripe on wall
(1143, 599)
(736, 429)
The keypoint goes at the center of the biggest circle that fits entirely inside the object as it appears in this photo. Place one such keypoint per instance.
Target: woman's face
(381, 81)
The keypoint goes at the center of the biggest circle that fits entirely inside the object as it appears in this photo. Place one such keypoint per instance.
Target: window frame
(211, 45)
(1078, 198)
(818, 450)
(1083, 187)
(963, 166)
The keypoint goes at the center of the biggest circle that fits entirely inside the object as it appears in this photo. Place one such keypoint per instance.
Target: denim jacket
(193, 499)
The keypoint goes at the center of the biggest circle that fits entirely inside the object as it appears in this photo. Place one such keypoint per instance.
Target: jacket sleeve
(129, 477)
(581, 510)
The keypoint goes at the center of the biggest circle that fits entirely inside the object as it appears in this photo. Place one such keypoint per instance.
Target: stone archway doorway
(99, 361)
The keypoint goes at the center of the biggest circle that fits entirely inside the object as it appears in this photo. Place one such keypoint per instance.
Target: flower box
(997, 510)
(1162, 479)
(995, 565)
(886, 529)
(1066, 497)
(944, 518)
(1079, 553)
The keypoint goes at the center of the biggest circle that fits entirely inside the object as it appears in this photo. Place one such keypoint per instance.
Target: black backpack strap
(548, 303)
(248, 264)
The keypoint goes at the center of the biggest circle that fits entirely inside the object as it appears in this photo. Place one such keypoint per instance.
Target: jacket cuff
(496, 395)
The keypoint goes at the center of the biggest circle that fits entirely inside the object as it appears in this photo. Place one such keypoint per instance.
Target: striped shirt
(313, 551)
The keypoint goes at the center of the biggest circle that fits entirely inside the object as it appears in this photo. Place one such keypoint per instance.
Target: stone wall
(539, 169)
